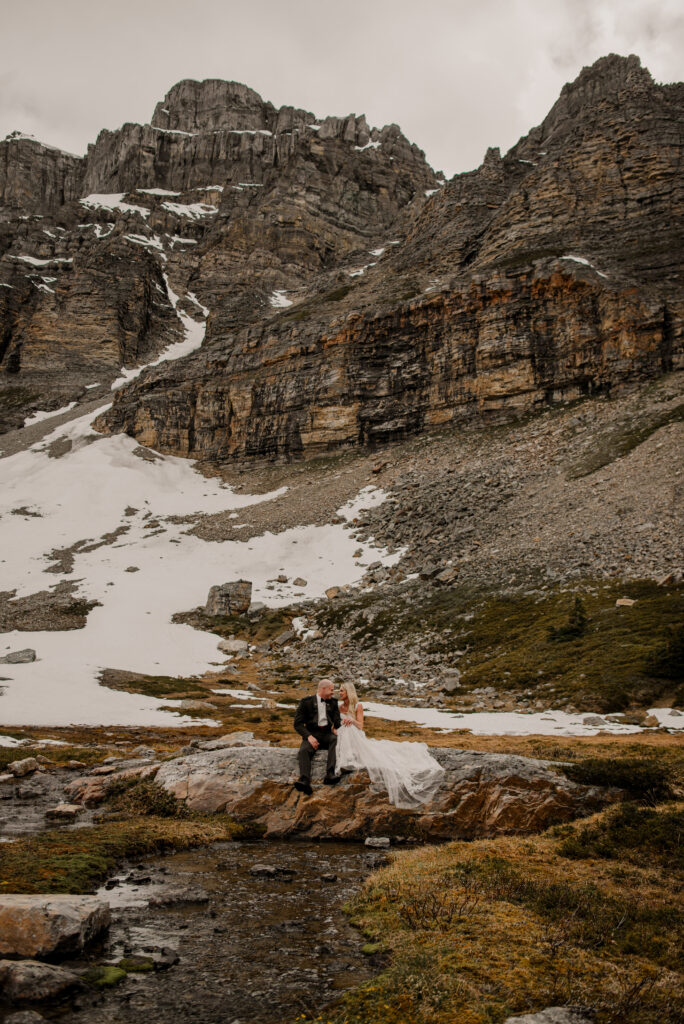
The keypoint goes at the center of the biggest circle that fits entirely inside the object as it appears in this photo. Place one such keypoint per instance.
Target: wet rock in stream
(264, 947)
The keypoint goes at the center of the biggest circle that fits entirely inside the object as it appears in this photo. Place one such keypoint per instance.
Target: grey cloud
(457, 77)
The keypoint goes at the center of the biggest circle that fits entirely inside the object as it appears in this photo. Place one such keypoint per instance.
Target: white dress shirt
(322, 712)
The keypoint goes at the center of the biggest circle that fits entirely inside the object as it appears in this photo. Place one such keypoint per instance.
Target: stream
(261, 947)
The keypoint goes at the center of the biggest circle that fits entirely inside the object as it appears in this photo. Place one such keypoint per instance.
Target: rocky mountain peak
(192, 106)
(215, 105)
(610, 80)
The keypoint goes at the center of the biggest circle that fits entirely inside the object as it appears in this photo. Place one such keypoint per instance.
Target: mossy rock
(133, 965)
(371, 948)
(104, 977)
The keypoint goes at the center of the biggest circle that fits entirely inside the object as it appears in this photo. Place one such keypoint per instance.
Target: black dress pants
(327, 741)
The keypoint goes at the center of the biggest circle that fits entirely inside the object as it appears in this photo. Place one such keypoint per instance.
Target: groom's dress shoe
(304, 786)
(331, 780)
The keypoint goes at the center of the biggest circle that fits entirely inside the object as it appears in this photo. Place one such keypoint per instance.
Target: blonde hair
(352, 697)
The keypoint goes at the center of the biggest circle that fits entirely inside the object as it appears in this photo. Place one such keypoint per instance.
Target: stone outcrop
(49, 925)
(229, 598)
(482, 795)
(484, 348)
(35, 178)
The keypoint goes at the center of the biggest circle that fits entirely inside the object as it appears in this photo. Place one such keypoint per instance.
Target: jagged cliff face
(223, 201)
(551, 272)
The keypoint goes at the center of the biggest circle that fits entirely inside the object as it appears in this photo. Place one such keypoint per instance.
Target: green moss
(135, 966)
(77, 861)
(104, 977)
(156, 686)
(371, 948)
(60, 755)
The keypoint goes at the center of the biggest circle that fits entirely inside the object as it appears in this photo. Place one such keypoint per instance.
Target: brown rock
(64, 812)
(92, 789)
(26, 766)
(45, 925)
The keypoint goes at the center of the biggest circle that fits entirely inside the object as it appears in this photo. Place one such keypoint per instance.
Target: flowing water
(261, 948)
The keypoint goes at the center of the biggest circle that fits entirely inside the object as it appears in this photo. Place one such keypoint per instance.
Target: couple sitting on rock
(407, 771)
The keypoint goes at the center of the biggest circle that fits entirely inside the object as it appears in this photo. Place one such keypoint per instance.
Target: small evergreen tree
(575, 626)
(666, 661)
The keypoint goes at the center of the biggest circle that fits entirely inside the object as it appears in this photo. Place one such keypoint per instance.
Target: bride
(406, 770)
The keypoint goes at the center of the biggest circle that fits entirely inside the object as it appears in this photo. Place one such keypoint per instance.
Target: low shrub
(643, 779)
(142, 797)
(645, 835)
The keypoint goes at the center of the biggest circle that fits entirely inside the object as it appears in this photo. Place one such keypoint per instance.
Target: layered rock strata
(551, 273)
(227, 213)
(352, 296)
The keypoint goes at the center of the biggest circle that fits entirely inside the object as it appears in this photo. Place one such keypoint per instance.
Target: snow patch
(194, 336)
(99, 485)
(157, 192)
(192, 210)
(112, 201)
(279, 301)
(513, 723)
(585, 263)
(38, 417)
(35, 262)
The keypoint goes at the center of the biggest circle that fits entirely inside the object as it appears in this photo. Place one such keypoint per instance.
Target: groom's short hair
(324, 682)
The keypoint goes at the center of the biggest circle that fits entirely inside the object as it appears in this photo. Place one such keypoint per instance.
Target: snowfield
(518, 723)
(113, 508)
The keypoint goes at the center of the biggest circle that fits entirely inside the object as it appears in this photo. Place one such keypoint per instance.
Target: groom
(317, 720)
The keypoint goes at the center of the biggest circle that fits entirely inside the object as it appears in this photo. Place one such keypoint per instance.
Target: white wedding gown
(407, 771)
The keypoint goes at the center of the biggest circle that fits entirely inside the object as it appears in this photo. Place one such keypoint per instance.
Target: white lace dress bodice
(407, 771)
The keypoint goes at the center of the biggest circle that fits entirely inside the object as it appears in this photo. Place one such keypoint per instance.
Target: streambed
(251, 948)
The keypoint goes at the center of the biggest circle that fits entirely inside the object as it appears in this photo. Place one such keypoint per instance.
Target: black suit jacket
(306, 717)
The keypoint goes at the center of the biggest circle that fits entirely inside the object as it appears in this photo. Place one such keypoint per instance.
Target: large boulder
(46, 925)
(30, 980)
(23, 657)
(229, 598)
(481, 795)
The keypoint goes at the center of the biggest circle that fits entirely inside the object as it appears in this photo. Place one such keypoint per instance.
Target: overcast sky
(457, 76)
